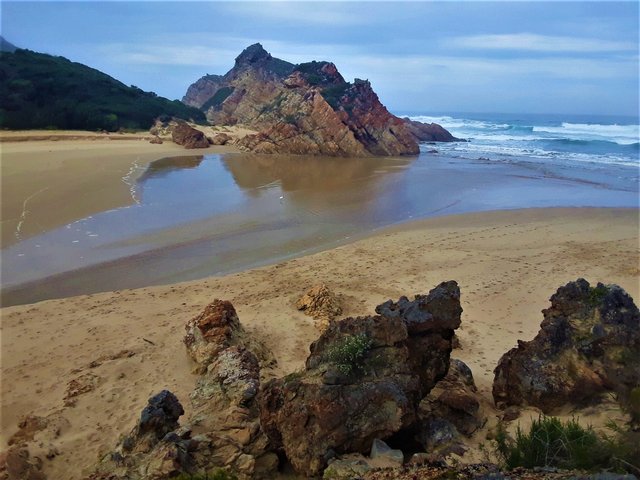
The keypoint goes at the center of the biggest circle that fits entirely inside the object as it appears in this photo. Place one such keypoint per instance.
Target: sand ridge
(508, 263)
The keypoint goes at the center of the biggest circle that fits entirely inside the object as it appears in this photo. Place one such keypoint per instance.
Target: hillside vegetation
(44, 91)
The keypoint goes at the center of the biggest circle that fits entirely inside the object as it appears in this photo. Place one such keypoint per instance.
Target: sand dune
(124, 346)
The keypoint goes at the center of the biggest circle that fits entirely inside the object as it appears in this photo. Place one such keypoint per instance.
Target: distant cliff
(44, 91)
(301, 109)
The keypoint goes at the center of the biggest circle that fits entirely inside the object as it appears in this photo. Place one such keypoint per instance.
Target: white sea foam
(542, 139)
(621, 134)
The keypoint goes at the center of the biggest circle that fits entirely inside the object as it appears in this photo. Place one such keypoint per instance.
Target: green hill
(43, 91)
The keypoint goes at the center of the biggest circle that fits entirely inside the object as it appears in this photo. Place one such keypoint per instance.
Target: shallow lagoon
(197, 216)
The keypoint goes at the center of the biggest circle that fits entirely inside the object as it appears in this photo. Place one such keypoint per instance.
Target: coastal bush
(217, 474)
(334, 93)
(553, 443)
(218, 98)
(348, 354)
(44, 91)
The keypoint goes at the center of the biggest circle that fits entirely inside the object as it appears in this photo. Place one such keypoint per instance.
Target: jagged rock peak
(320, 73)
(252, 54)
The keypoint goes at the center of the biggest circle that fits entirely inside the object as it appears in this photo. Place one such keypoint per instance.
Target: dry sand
(49, 179)
(508, 263)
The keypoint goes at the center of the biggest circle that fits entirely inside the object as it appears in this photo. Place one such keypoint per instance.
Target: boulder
(363, 380)
(429, 132)
(188, 137)
(156, 140)
(17, 464)
(456, 399)
(220, 139)
(588, 344)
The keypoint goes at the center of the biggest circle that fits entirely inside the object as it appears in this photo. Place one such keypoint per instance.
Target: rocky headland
(305, 109)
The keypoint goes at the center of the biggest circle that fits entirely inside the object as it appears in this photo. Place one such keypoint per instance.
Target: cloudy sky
(439, 57)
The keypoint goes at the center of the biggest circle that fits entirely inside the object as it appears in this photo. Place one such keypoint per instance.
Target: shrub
(217, 474)
(348, 354)
(552, 443)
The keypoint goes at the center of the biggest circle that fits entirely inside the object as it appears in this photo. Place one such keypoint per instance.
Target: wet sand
(508, 263)
(49, 179)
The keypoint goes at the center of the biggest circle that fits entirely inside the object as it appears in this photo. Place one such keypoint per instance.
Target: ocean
(565, 139)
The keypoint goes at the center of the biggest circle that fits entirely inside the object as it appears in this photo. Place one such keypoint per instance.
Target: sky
(569, 57)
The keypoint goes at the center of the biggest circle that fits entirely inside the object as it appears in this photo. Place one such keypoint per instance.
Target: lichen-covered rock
(188, 137)
(452, 408)
(320, 303)
(588, 343)
(211, 332)
(455, 398)
(223, 430)
(406, 352)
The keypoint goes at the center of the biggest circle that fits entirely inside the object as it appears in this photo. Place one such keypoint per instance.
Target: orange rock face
(301, 109)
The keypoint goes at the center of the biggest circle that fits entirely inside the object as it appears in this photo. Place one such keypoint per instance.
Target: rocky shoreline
(368, 383)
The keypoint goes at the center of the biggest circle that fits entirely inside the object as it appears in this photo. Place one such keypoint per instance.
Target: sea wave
(470, 128)
(540, 137)
(620, 134)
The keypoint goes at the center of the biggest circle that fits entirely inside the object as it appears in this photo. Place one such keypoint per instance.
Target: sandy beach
(51, 178)
(126, 345)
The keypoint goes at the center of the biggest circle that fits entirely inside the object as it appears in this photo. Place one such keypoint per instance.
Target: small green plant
(348, 354)
(552, 443)
(217, 474)
(596, 294)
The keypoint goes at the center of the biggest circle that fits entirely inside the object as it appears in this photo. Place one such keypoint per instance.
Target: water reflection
(208, 215)
(296, 172)
(165, 166)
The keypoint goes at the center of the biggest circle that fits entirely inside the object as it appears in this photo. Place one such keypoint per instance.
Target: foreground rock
(304, 109)
(451, 409)
(588, 344)
(364, 380)
(223, 430)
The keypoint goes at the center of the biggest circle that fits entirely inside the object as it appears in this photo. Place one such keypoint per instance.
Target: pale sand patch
(49, 179)
(508, 263)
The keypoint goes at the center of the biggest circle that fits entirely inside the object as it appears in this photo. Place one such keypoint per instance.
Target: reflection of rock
(295, 172)
(164, 166)
(409, 343)
(588, 343)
